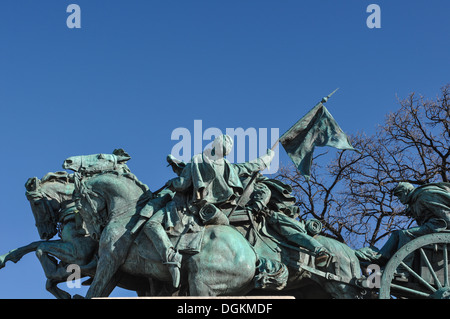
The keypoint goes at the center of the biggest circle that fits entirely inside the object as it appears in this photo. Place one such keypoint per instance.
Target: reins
(82, 191)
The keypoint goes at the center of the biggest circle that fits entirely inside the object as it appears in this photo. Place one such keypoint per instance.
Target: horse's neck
(63, 194)
(120, 192)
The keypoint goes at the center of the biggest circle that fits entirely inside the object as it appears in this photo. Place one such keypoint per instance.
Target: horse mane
(33, 184)
(120, 170)
(140, 184)
(127, 174)
(61, 176)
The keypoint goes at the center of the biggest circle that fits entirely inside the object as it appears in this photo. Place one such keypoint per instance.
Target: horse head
(46, 197)
(90, 203)
(98, 163)
(105, 188)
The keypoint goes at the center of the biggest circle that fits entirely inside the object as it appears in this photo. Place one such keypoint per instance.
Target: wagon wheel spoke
(430, 268)
(418, 277)
(445, 257)
(410, 291)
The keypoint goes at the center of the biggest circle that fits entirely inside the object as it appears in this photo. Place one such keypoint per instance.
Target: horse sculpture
(53, 207)
(109, 200)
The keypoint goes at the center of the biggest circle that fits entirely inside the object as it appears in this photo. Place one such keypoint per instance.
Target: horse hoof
(77, 297)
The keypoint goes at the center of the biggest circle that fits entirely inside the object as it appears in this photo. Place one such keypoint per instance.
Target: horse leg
(16, 254)
(107, 266)
(55, 272)
(114, 244)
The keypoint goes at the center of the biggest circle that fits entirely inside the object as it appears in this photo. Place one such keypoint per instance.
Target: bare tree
(352, 194)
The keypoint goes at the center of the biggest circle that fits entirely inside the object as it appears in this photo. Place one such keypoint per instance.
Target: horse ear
(32, 184)
(122, 156)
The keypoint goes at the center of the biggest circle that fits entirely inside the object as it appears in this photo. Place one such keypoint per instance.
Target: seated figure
(209, 179)
(428, 205)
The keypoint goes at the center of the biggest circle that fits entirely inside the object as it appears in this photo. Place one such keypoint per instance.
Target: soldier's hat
(176, 164)
(402, 187)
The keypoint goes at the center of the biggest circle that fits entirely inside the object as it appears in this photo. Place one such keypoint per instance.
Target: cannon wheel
(440, 291)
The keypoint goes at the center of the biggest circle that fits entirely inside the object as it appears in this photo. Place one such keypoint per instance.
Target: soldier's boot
(158, 236)
(173, 262)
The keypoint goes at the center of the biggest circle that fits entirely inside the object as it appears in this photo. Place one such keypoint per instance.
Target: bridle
(84, 192)
(49, 217)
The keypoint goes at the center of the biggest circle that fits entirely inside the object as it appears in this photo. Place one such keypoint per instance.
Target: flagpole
(325, 99)
(255, 173)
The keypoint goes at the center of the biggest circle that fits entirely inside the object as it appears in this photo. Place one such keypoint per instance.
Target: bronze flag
(316, 128)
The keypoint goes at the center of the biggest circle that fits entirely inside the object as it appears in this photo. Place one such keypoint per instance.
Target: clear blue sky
(137, 70)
